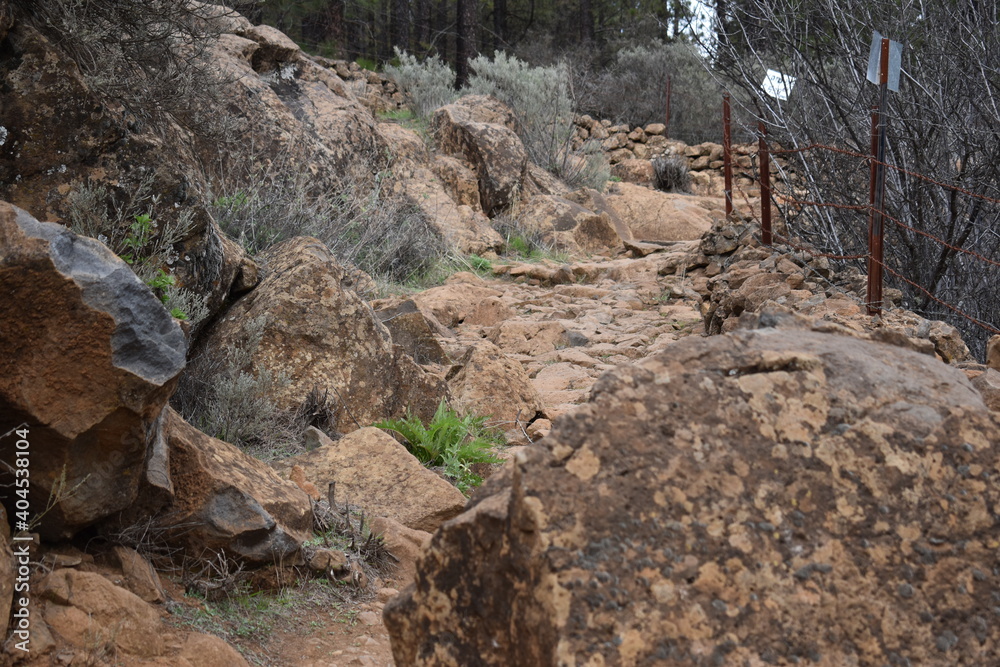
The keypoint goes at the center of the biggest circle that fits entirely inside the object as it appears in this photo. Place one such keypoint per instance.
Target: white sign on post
(778, 85)
(895, 58)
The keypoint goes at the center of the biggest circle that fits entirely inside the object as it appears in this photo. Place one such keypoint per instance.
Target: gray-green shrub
(364, 223)
(430, 84)
(632, 90)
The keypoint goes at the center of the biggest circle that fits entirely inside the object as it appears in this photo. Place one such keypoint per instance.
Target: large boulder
(89, 618)
(568, 225)
(90, 357)
(485, 382)
(476, 128)
(228, 501)
(376, 473)
(461, 226)
(312, 329)
(69, 153)
(660, 216)
(766, 497)
(218, 499)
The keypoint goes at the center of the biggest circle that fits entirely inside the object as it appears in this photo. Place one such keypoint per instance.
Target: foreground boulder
(765, 497)
(91, 619)
(90, 357)
(304, 323)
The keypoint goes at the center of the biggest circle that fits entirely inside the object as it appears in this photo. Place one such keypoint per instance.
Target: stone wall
(631, 150)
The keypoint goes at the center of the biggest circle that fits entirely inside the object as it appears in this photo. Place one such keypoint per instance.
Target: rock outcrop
(90, 357)
(755, 498)
(312, 328)
(569, 226)
(480, 129)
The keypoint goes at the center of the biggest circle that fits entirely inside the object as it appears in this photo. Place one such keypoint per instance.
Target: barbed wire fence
(814, 221)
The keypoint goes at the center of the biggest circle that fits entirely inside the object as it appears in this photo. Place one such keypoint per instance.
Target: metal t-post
(727, 155)
(764, 164)
(876, 232)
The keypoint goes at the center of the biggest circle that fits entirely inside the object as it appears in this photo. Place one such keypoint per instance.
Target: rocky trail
(714, 454)
(564, 324)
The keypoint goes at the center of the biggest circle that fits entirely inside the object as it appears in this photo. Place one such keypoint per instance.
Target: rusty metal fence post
(666, 124)
(876, 231)
(764, 165)
(727, 155)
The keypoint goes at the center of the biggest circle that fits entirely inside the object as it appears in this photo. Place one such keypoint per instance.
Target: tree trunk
(422, 25)
(586, 21)
(465, 41)
(500, 23)
(401, 24)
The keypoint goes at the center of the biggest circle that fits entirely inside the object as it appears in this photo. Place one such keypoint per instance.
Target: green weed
(449, 441)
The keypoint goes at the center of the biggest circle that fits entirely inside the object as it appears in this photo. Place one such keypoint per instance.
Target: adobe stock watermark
(20, 613)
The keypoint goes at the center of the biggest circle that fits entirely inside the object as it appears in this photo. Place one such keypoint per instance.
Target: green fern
(452, 442)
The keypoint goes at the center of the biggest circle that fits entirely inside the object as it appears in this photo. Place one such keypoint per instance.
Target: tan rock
(86, 610)
(988, 384)
(90, 358)
(459, 181)
(569, 225)
(538, 429)
(494, 150)
(461, 227)
(489, 312)
(417, 331)
(376, 473)
(993, 353)
(638, 171)
(451, 304)
(275, 49)
(321, 335)
(561, 376)
(486, 382)
(140, 577)
(762, 506)
(407, 147)
(405, 544)
(656, 129)
(948, 342)
(202, 650)
(662, 216)
(225, 500)
(530, 338)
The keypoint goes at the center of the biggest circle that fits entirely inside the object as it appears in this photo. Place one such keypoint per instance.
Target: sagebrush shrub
(538, 96)
(430, 83)
(227, 398)
(632, 90)
(364, 223)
